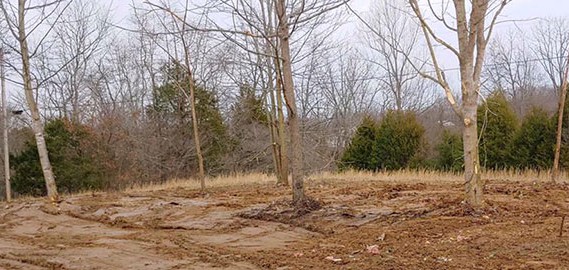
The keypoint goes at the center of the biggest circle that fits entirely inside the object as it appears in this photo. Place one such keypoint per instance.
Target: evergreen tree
(358, 154)
(172, 105)
(450, 152)
(497, 125)
(534, 142)
(216, 142)
(249, 108)
(399, 139)
(76, 168)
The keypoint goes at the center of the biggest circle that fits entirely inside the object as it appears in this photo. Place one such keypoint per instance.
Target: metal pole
(5, 113)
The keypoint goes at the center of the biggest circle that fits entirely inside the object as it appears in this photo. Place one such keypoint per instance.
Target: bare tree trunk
(201, 173)
(37, 125)
(274, 144)
(5, 122)
(277, 126)
(192, 86)
(473, 35)
(195, 128)
(281, 130)
(562, 97)
(473, 182)
(277, 131)
(290, 99)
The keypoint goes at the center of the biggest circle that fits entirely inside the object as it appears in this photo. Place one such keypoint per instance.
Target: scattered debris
(373, 249)
(298, 254)
(356, 252)
(331, 258)
(443, 259)
(331, 246)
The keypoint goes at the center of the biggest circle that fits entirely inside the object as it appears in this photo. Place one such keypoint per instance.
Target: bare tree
(181, 29)
(513, 69)
(5, 127)
(560, 113)
(337, 91)
(551, 45)
(389, 24)
(290, 99)
(289, 18)
(473, 24)
(77, 44)
(17, 20)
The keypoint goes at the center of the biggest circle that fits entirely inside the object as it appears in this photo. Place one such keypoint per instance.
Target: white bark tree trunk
(37, 125)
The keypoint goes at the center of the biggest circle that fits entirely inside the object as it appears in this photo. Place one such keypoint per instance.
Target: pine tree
(533, 144)
(450, 152)
(398, 140)
(358, 154)
(497, 125)
(173, 107)
(76, 167)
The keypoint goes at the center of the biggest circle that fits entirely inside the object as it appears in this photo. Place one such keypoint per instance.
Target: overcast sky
(522, 11)
(518, 9)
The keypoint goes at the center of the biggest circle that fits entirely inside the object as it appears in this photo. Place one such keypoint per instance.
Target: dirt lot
(360, 225)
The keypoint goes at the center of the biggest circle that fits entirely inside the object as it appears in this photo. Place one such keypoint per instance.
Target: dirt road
(361, 225)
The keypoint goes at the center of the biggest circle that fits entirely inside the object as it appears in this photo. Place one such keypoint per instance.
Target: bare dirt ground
(360, 225)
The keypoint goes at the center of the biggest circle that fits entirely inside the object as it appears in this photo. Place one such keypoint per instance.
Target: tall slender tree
(46, 15)
(473, 22)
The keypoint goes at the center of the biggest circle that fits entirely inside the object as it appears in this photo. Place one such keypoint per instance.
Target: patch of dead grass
(210, 182)
(401, 176)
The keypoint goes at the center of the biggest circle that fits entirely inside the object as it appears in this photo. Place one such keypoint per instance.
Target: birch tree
(24, 20)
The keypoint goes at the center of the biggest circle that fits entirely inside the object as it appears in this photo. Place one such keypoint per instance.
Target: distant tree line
(85, 159)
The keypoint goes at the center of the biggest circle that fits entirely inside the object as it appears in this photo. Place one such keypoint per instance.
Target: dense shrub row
(391, 144)
(396, 141)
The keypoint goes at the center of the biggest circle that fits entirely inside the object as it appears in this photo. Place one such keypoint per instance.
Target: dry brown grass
(430, 176)
(403, 176)
(211, 182)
